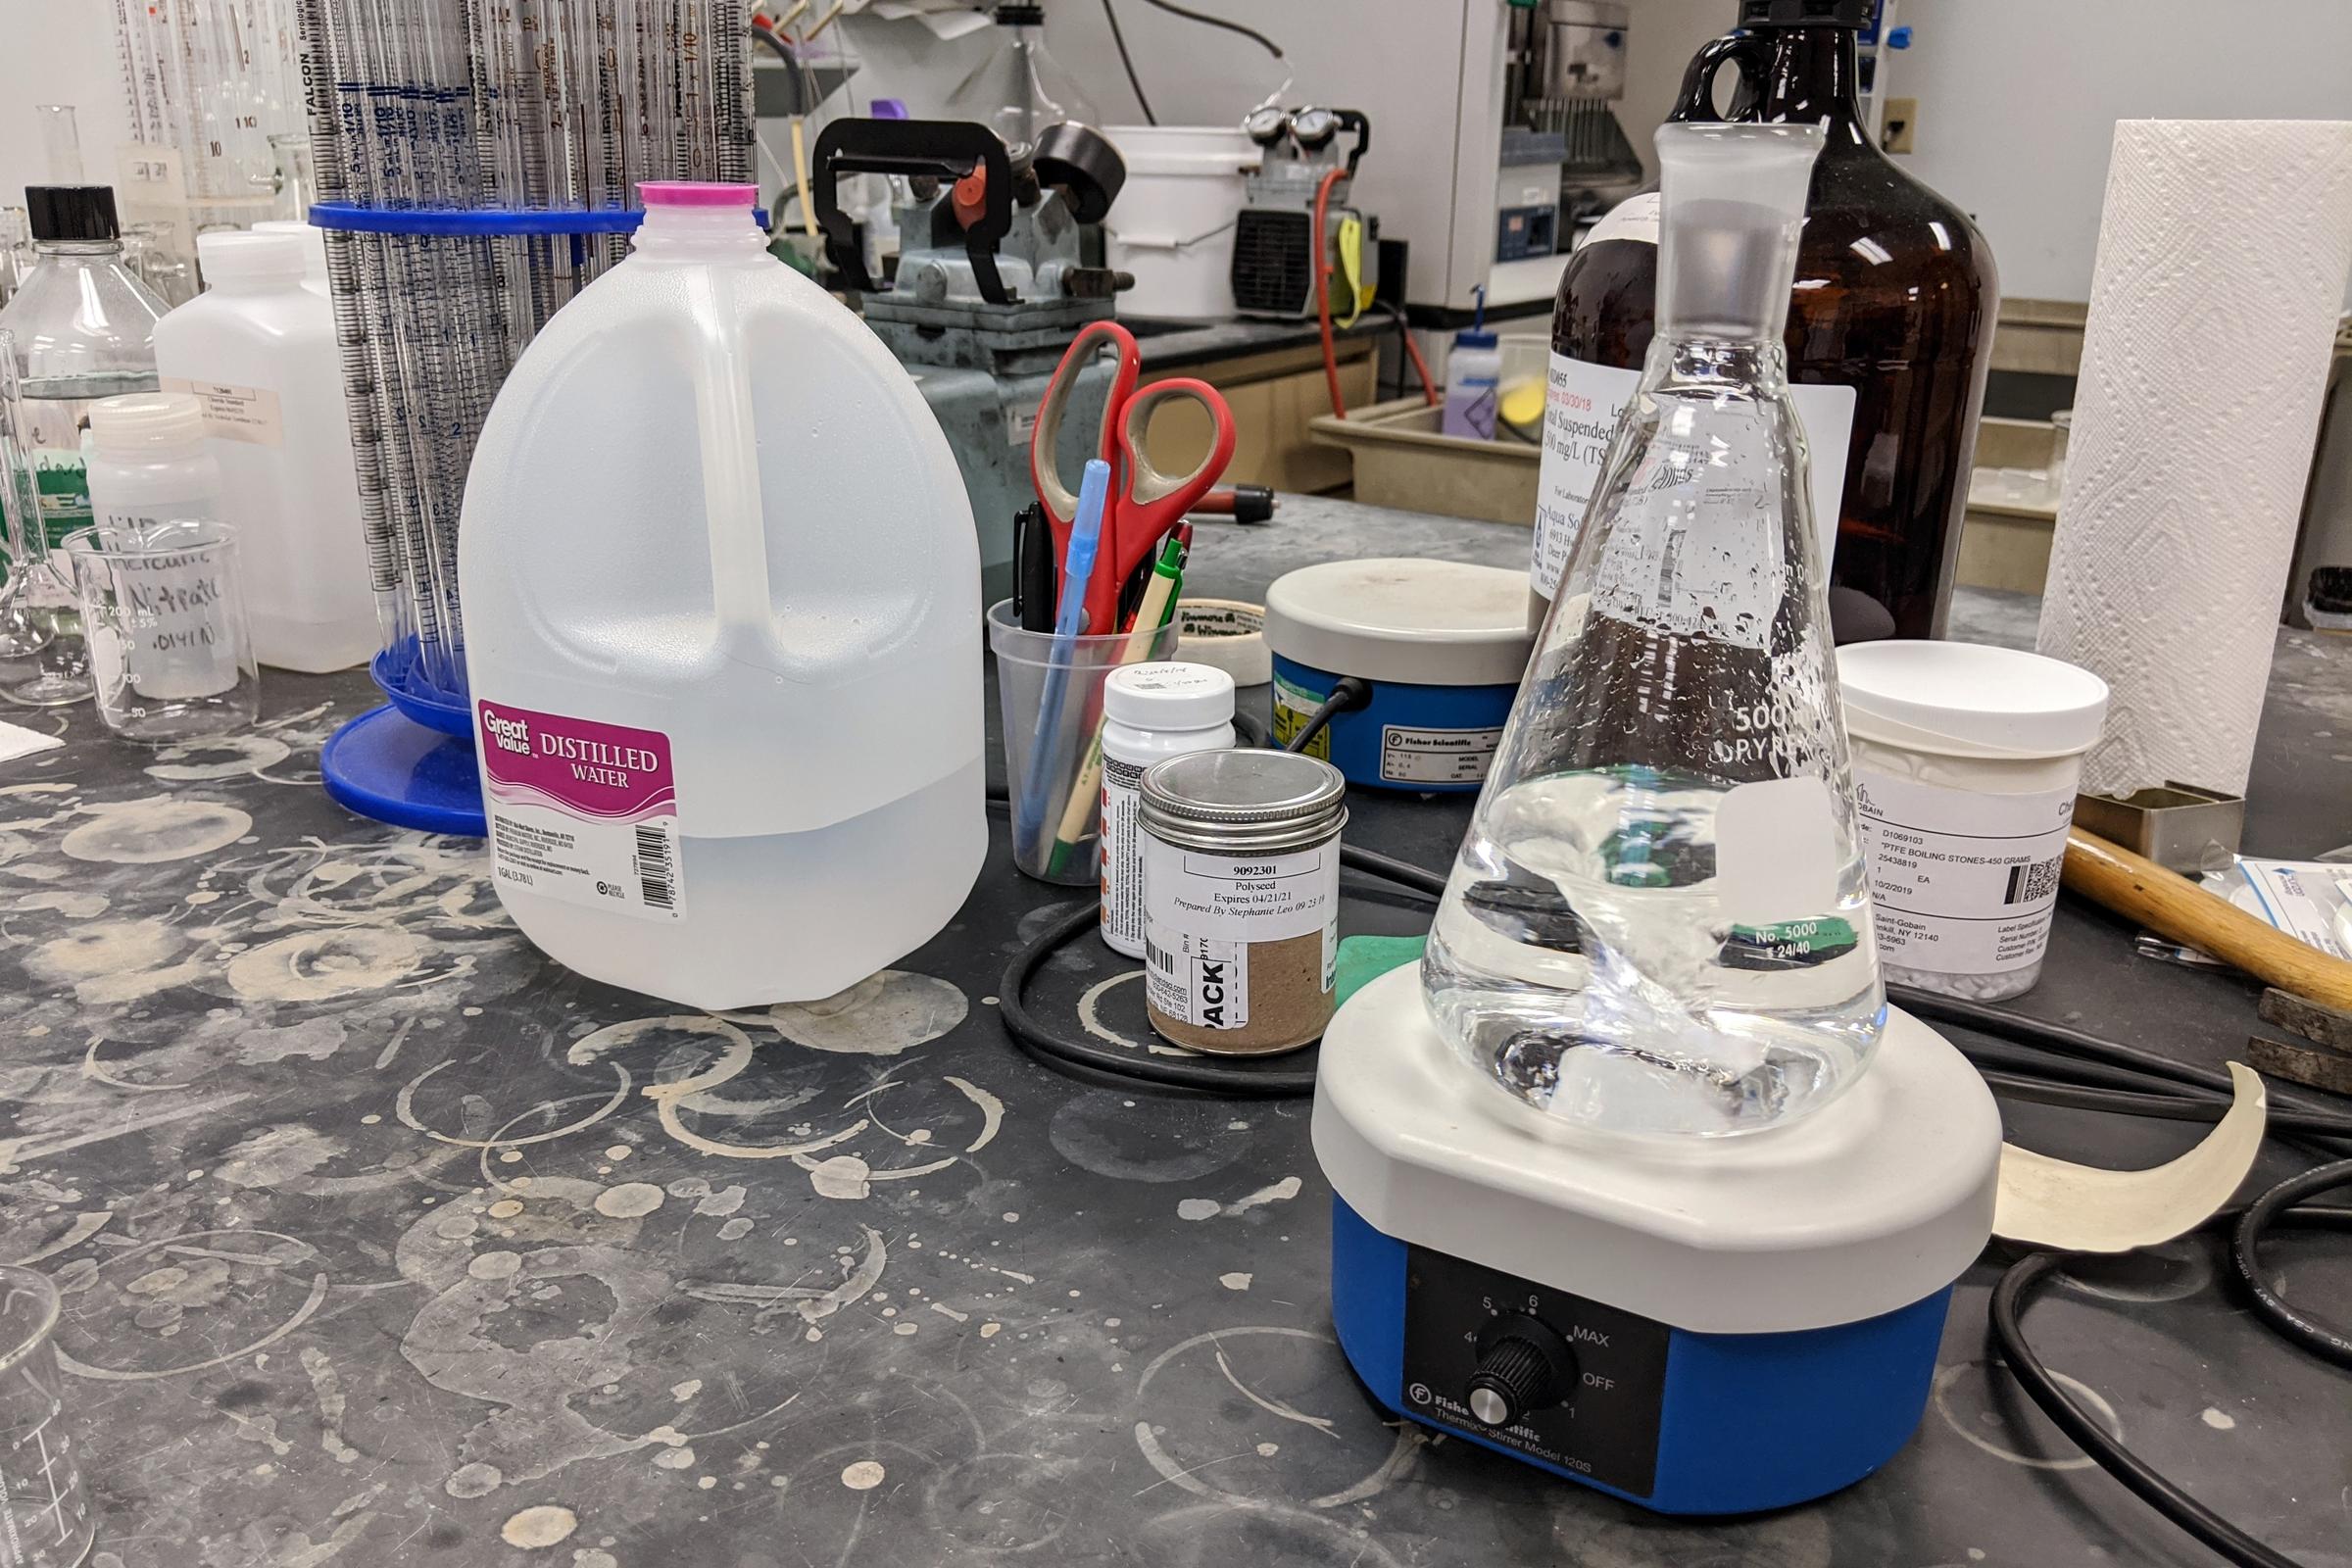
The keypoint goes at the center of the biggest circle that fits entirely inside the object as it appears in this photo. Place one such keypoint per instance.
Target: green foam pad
(1364, 960)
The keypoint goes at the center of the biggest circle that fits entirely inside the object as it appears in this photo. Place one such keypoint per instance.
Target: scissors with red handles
(1144, 504)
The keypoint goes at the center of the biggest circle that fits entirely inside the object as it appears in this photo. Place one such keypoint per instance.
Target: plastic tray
(1403, 461)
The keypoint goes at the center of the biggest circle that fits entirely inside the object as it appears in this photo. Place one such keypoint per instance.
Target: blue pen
(1069, 620)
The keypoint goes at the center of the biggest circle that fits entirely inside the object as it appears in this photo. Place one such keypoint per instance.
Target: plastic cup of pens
(163, 609)
(1049, 696)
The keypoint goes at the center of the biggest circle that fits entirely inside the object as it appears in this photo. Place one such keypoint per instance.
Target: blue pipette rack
(411, 761)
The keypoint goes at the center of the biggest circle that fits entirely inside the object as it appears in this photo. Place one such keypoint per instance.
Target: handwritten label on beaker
(175, 620)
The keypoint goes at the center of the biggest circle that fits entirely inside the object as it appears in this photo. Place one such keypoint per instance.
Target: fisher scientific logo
(508, 734)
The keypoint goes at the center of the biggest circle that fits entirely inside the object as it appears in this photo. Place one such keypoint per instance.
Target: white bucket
(1172, 225)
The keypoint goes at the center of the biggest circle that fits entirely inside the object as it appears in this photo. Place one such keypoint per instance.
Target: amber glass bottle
(1889, 332)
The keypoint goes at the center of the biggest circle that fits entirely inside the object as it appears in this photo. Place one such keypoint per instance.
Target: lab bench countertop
(387, 1239)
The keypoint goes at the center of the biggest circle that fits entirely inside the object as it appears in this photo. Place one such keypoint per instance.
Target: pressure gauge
(1266, 126)
(1314, 127)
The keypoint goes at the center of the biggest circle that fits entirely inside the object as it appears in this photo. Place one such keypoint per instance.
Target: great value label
(582, 812)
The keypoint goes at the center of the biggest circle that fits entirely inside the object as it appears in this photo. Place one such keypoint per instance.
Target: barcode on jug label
(656, 878)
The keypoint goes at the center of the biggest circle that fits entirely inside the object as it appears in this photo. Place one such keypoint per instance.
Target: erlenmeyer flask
(1660, 922)
(1018, 88)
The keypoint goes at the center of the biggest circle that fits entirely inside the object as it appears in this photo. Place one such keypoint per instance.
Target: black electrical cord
(2321, 1340)
(2082, 1044)
(1207, 21)
(1202, 1075)
(783, 50)
(1346, 695)
(1127, 62)
(2009, 1299)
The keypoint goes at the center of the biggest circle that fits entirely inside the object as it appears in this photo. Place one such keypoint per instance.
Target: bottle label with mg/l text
(1582, 406)
(581, 811)
(1961, 882)
(1635, 217)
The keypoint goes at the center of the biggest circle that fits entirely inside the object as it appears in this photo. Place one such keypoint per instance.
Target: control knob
(1523, 1365)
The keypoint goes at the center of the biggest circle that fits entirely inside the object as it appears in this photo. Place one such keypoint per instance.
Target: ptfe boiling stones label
(1961, 882)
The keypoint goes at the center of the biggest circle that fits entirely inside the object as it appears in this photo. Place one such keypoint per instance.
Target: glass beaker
(44, 1514)
(164, 611)
(1660, 922)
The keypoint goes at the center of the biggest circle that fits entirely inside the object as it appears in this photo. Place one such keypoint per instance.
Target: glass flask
(1019, 89)
(1658, 923)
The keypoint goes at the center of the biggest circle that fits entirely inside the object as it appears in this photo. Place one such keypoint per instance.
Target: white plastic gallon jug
(723, 629)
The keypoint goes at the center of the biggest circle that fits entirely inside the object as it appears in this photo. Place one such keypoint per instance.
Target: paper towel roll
(2223, 248)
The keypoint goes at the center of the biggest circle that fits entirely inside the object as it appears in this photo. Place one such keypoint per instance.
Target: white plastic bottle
(1149, 711)
(1473, 379)
(147, 462)
(313, 249)
(258, 350)
(723, 629)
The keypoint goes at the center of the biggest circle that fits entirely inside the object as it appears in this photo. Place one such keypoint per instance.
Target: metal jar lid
(1247, 800)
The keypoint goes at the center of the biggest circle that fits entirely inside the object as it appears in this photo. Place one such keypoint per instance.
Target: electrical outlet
(1902, 114)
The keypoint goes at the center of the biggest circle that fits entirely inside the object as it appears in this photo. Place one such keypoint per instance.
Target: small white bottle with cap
(1150, 713)
(148, 463)
(258, 350)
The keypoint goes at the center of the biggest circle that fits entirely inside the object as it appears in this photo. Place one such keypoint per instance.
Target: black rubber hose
(1207, 21)
(1118, 39)
(1201, 1075)
(2009, 1299)
(2321, 1340)
(2076, 1043)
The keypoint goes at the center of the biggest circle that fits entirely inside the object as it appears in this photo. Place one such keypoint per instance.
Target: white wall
(58, 52)
(2018, 101)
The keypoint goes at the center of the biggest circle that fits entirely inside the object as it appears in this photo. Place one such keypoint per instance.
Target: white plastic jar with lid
(148, 466)
(1150, 713)
(1966, 762)
(147, 462)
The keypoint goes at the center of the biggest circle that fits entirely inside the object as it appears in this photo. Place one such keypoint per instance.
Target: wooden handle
(2138, 889)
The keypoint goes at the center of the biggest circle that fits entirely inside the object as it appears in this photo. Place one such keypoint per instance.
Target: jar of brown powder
(1240, 898)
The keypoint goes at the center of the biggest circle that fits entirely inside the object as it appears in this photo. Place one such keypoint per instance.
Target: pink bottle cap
(696, 193)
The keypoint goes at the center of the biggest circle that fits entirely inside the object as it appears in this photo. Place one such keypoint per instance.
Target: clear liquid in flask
(1658, 922)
